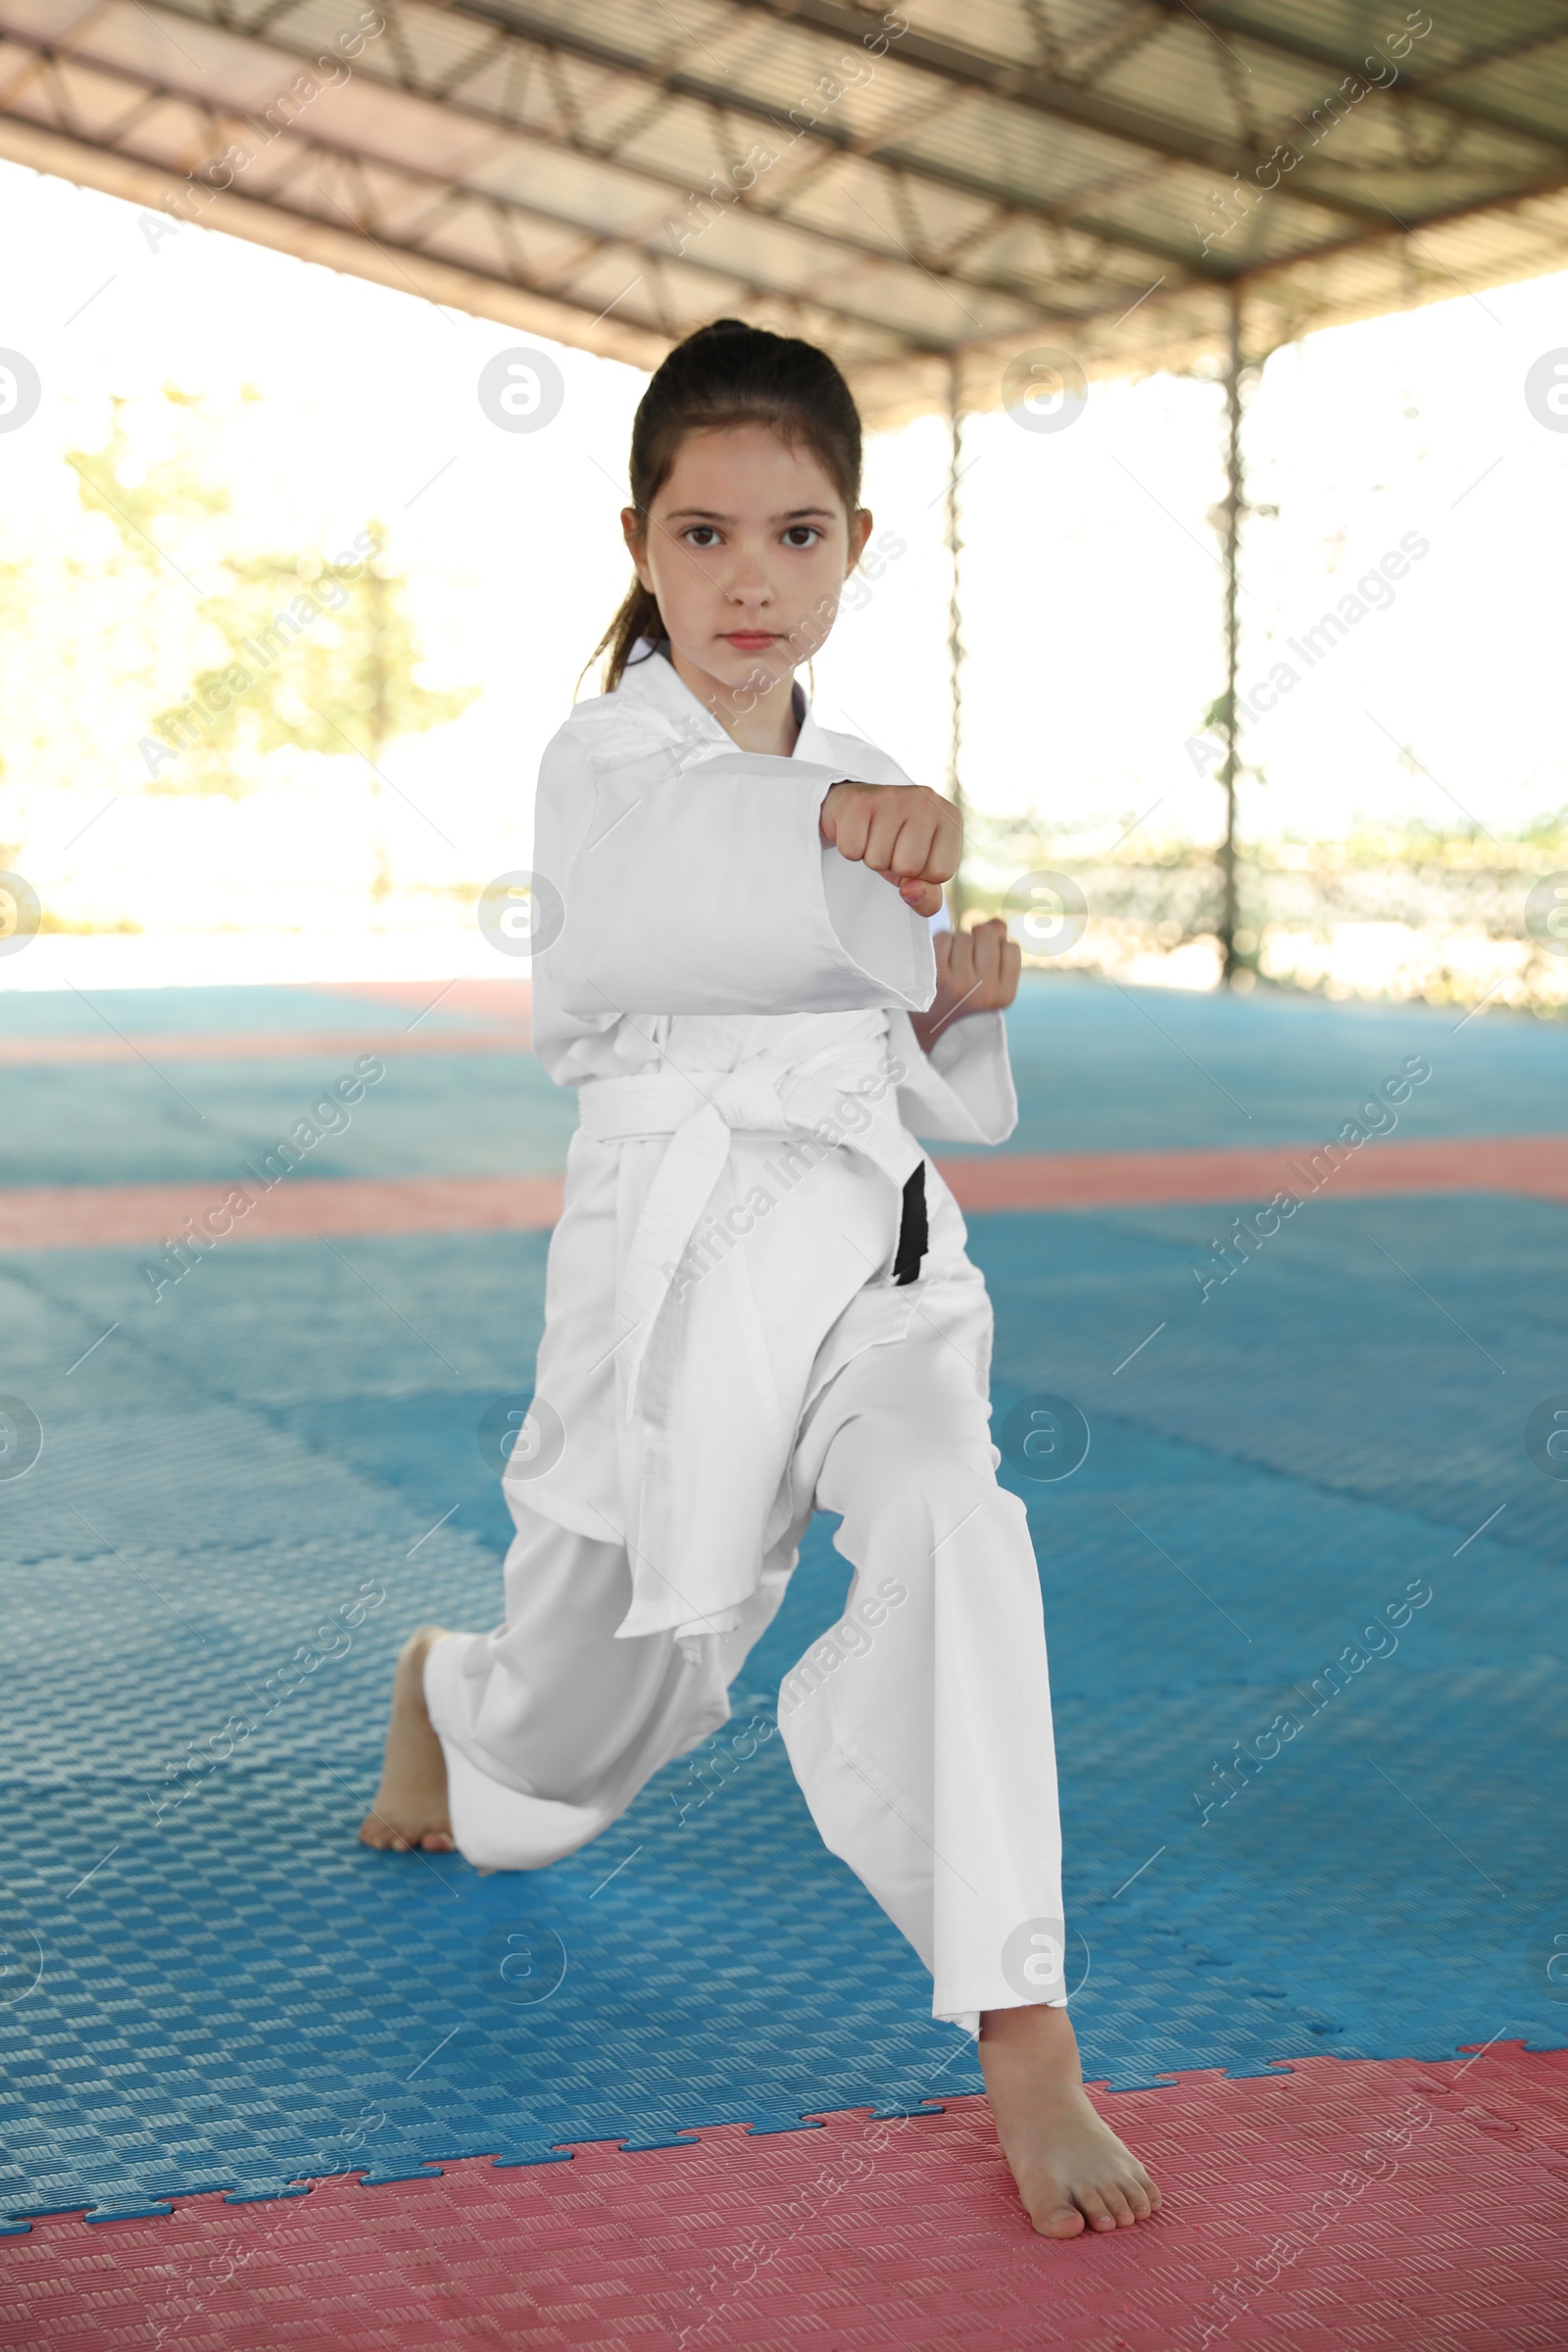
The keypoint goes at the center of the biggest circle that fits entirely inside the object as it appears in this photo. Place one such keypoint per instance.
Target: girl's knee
(889, 1458)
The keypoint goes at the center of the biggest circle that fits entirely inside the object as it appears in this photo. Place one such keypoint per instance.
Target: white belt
(700, 1113)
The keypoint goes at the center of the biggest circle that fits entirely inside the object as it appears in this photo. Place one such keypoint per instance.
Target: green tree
(303, 652)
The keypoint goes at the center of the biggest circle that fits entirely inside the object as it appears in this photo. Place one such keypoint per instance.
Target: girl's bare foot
(1069, 2166)
(409, 1807)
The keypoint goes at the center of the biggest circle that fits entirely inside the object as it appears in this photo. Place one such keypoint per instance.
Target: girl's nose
(747, 582)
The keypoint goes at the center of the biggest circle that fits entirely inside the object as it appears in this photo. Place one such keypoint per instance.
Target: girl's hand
(907, 834)
(977, 971)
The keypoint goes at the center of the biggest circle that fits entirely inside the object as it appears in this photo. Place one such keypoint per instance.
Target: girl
(758, 1301)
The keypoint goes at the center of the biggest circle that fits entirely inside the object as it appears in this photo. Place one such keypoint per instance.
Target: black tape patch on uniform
(915, 1232)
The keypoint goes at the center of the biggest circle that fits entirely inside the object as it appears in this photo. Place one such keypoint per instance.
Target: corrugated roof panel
(999, 169)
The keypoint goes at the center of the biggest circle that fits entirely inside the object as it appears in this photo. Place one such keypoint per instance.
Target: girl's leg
(409, 1807)
(920, 1729)
(548, 1726)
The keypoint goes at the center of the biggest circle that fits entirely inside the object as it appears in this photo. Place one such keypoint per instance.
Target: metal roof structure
(946, 186)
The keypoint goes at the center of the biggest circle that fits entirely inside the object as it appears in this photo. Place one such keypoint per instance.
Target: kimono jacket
(730, 998)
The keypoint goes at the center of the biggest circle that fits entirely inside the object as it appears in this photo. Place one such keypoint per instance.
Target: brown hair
(730, 374)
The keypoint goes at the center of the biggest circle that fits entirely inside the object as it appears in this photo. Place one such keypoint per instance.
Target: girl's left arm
(959, 1088)
(977, 971)
(962, 1092)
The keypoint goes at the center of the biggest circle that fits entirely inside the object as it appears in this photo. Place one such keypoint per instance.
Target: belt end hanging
(914, 1230)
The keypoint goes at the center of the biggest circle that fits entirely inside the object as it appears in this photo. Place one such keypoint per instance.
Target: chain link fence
(1447, 917)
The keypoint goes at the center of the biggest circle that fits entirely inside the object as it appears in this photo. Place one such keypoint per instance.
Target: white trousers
(919, 1727)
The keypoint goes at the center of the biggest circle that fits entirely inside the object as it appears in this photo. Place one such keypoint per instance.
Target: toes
(1060, 2221)
(387, 1838)
(1095, 2212)
(1141, 2193)
(1118, 2205)
(381, 1833)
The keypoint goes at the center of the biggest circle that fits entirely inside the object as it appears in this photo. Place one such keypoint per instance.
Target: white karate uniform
(726, 1346)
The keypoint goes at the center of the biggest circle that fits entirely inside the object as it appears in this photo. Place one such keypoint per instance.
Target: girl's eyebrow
(706, 515)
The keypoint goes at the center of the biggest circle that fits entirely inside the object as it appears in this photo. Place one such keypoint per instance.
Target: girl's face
(746, 548)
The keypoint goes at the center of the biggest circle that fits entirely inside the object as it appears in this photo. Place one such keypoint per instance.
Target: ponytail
(636, 615)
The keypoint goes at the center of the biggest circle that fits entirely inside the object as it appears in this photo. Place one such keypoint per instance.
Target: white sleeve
(708, 888)
(962, 1092)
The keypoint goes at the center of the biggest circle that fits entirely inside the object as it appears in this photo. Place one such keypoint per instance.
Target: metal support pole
(1233, 515)
(955, 893)
(380, 725)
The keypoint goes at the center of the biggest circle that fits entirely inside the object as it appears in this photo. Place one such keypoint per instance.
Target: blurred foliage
(1421, 909)
(300, 654)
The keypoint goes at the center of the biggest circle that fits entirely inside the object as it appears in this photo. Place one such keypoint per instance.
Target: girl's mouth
(749, 641)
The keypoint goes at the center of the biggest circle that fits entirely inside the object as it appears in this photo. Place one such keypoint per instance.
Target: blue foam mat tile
(232, 1989)
(1101, 1069)
(278, 1324)
(410, 1969)
(234, 1011)
(123, 1123)
(1405, 1379)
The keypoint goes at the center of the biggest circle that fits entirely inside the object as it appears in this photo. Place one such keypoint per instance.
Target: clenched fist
(907, 834)
(977, 971)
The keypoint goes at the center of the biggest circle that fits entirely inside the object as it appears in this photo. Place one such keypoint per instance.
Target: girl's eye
(801, 534)
(701, 534)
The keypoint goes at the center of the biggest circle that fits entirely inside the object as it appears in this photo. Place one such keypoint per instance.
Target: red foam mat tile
(103, 1217)
(1534, 1164)
(1360, 2206)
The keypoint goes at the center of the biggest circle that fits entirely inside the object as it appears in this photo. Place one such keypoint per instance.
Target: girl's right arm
(718, 887)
